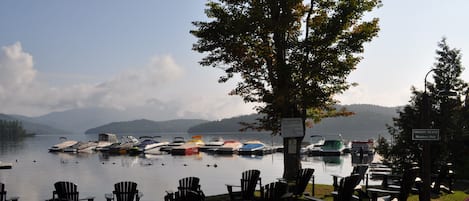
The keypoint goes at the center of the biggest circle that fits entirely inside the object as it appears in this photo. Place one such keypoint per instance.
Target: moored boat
(314, 149)
(333, 146)
(127, 142)
(190, 147)
(146, 144)
(63, 145)
(229, 147)
(105, 140)
(213, 144)
(5, 165)
(177, 141)
(363, 147)
(251, 147)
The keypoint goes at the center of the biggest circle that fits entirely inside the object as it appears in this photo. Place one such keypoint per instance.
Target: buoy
(215, 165)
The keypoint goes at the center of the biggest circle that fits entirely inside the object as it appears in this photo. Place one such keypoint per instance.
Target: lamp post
(425, 193)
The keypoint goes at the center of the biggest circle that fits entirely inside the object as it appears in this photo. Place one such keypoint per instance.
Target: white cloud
(21, 92)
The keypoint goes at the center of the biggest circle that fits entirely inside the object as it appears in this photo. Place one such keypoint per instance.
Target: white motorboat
(105, 140)
(63, 145)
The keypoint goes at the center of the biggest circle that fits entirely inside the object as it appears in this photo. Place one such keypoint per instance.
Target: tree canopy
(291, 56)
(443, 108)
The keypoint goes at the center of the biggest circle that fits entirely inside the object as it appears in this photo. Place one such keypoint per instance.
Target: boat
(251, 147)
(87, 147)
(363, 147)
(63, 145)
(177, 141)
(105, 140)
(82, 147)
(314, 149)
(5, 165)
(229, 147)
(213, 144)
(147, 143)
(190, 147)
(127, 142)
(333, 146)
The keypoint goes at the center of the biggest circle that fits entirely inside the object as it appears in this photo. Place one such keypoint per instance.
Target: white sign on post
(292, 127)
(426, 134)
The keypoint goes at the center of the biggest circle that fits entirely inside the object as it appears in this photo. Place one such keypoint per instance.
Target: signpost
(426, 134)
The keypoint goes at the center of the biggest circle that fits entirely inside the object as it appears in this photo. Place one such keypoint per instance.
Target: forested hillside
(369, 121)
(144, 126)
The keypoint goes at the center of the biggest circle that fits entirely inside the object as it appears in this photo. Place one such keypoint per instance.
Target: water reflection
(95, 173)
(332, 160)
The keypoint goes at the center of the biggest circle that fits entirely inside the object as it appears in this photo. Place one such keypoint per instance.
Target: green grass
(323, 192)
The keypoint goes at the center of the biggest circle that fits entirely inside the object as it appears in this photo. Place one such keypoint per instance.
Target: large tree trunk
(291, 159)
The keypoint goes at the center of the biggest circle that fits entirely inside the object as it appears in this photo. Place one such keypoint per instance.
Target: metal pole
(426, 155)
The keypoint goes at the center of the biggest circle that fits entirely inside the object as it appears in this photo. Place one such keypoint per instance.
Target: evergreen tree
(441, 107)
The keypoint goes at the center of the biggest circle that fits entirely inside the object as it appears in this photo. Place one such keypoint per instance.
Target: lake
(35, 170)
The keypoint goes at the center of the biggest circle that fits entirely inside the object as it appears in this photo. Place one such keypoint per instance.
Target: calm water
(35, 169)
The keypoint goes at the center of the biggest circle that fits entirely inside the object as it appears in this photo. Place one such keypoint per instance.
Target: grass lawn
(323, 192)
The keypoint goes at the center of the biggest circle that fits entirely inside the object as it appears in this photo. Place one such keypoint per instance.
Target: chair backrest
(125, 191)
(347, 187)
(188, 195)
(274, 191)
(66, 190)
(189, 183)
(249, 180)
(302, 179)
(407, 182)
(3, 193)
(360, 170)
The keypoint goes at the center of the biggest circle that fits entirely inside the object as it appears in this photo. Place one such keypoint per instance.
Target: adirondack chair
(359, 169)
(184, 195)
(65, 190)
(190, 183)
(3, 194)
(249, 180)
(302, 179)
(345, 189)
(275, 191)
(407, 181)
(124, 191)
(444, 179)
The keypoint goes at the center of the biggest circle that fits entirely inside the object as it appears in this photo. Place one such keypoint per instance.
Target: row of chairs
(123, 191)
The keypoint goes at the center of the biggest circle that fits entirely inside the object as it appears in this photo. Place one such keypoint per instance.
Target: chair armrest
(89, 198)
(109, 196)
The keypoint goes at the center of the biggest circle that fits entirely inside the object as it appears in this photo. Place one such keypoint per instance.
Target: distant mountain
(369, 121)
(144, 126)
(79, 120)
(32, 127)
(224, 125)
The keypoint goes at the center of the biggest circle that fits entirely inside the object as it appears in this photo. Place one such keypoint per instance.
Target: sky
(57, 55)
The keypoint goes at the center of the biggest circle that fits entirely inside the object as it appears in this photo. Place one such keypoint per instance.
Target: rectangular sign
(426, 134)
(292, 127)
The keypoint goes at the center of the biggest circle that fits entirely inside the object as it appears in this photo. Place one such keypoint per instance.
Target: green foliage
(11, 129)
(287, 64)
(435, 109)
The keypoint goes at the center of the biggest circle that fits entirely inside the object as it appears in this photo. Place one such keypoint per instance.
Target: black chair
(124, 191)
(249, 180)
(275, 191)
(345, 190)
(184, 195)
(190, 183)
(400, 192)
(65, 190)
(302, 179)
(444, 179)
(3, 194)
